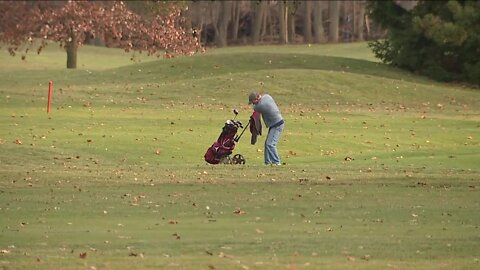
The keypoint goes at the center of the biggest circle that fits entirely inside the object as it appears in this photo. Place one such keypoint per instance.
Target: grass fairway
(382, 166)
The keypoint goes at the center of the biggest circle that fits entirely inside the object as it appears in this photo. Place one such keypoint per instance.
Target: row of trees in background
(177, 27)
(214, 23)
(221, 23)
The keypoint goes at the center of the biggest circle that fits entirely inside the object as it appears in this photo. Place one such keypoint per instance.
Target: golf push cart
(221, 149)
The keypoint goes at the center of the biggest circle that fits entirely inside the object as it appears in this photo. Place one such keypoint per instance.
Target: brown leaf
(366, 257)
(238, 211)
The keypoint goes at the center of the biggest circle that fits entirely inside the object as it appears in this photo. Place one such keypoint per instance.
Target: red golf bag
(220, 150)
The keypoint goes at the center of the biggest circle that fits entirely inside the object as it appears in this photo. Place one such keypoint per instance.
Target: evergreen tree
(440, 39)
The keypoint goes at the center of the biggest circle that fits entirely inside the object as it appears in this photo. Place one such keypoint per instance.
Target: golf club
(235, 111)
(237, 138)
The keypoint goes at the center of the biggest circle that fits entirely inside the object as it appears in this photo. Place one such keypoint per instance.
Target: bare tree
(318, 31)
(334, 18)
(292, 11)
(282, 19)
(260, 10)
(359, 19)
(307, 22)
(221, 25)
(235, 20)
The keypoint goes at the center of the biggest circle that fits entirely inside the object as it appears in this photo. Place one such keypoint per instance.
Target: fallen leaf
(366, 257)
(238, 211)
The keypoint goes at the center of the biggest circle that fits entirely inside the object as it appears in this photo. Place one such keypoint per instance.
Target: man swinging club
(266, 106)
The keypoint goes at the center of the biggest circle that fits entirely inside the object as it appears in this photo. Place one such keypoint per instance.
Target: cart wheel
(238, 159)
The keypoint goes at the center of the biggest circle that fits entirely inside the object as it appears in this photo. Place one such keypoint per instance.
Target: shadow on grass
(201, 66)
(204, 66)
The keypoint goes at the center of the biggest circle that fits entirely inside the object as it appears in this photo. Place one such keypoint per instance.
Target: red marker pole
(50, 83)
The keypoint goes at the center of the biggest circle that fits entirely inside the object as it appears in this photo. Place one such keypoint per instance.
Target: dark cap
(252, 97)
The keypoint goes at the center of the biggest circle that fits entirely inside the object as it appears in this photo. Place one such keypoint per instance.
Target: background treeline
(223, 23)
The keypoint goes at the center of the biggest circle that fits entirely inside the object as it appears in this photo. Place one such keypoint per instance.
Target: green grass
(381, 165)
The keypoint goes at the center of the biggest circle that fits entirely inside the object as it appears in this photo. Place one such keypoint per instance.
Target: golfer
(266, 106)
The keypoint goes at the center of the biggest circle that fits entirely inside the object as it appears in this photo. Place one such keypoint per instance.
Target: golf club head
(239, 124)
(236, 113)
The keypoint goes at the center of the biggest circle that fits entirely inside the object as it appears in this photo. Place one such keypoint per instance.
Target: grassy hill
(381, 165)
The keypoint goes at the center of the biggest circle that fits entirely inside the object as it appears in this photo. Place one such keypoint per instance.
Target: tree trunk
(235, 20)
(346, 13)
(360, 20)
(283, 14)
(263, 32)
(307, 22)
(257, 23)
(71, 48)
(318, 31)
(222, 23)
(334, 14)
(291, 27)
(367, 24)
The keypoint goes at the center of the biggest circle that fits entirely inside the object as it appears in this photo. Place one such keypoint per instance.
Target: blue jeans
(271, 154)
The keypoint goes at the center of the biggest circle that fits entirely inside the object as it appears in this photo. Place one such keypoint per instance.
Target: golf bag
(221, 150)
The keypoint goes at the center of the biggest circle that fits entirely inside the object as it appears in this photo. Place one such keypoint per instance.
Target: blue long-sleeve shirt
(268, 108)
